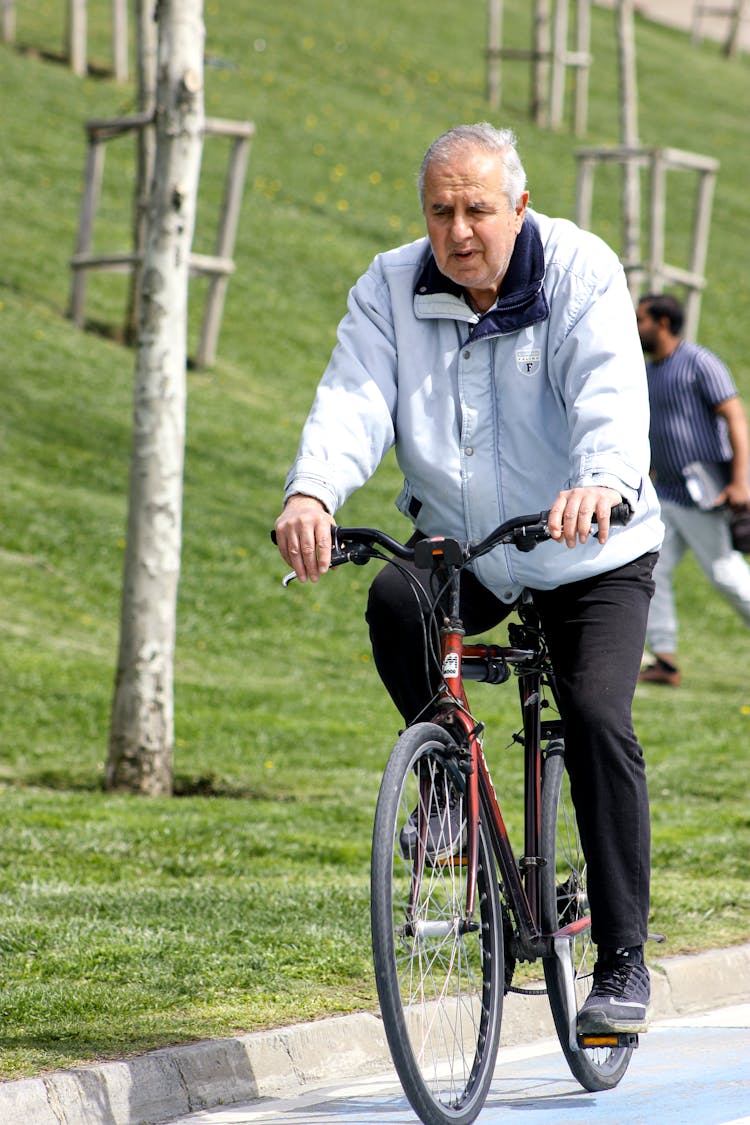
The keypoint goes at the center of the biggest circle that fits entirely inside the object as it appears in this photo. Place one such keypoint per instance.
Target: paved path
(293, 1062)
(694, 1069)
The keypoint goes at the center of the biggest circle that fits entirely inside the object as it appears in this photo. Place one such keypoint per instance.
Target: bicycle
(452, 909)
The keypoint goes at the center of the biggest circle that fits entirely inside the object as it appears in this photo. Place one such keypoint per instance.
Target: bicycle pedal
(607, 1039)
(447, 861)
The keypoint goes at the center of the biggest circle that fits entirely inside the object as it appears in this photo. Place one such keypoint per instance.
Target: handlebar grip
(620, 514)
(339, 555)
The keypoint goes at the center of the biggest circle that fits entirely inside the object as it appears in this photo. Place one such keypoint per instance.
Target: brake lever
(356, 553)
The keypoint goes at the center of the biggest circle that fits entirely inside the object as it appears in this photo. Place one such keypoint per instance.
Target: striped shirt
(684, 391)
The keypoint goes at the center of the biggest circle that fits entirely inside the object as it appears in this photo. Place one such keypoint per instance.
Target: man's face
(648, 328)
(471, 225)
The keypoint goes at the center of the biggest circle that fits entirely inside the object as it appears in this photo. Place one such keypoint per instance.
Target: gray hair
(483, 136)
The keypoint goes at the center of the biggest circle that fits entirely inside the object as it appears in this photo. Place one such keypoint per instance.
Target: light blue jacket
(491, 416)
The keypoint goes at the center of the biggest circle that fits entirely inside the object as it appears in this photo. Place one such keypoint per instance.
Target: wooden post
(735, 13)
(9, 21)
(559, 62)
(77, 35)
(494, 39)
(91, 191)
(218, 267)
(76, 48)
(701, 228)
(660, 162)
(657, 221)
(120, 40)
(547, 58)
(227, 233)
(732, 45)
(541, 67)
(695, 31)
(579, 59)
(628, 77)
(584, 192)
(583, 47)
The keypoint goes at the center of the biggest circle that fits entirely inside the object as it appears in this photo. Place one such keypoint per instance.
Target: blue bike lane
(694, 1068)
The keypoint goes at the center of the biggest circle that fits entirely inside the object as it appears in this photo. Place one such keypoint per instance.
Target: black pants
(595, 631)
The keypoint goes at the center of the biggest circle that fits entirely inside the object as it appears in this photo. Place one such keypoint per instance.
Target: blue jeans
(595, 630)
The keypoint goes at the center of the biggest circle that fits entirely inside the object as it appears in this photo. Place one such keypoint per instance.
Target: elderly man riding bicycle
(500, 355)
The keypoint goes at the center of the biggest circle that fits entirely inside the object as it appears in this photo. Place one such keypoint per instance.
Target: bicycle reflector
(438, 551)
(617, 1039)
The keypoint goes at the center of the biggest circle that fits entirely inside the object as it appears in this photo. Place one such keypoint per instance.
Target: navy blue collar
(521, 300)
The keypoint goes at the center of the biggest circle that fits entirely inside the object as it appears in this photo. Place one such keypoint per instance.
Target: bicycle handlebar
(359, 544)
(524, 532)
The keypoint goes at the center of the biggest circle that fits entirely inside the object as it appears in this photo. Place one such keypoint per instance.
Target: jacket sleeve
(601, 374)
(350, 426)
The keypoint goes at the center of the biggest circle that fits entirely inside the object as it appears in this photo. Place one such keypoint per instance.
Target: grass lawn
(242, 902)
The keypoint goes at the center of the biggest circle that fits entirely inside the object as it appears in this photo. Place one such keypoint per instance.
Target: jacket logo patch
(529, 360)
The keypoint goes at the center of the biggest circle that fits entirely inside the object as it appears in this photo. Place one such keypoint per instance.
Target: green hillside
(242, 903)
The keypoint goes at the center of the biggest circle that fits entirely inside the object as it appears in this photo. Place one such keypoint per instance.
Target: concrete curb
(162, 1085)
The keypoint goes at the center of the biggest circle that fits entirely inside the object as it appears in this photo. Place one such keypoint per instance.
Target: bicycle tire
(563, 900)
(440, 992)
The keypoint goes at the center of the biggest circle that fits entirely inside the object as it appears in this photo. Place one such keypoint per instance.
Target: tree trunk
(146, 57)
(142, 724)
(631, 200)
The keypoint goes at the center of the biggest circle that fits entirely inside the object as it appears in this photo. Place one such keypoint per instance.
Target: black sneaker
(446, 829)
(618, 1001)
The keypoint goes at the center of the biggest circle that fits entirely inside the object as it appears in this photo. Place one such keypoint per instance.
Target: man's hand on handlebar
(304, 531)
(571, 514)
(303, 536)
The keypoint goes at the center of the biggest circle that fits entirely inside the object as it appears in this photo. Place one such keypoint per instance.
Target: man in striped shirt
(696, 417)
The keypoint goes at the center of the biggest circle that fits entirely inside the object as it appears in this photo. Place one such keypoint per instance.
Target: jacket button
(467, 354)
(469, 451)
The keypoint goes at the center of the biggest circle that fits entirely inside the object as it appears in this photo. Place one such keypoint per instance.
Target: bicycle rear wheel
(563, 900)
(439, 979)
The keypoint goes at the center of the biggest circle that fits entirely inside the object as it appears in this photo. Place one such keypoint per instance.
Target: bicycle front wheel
(439, 974)
(564, 900)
